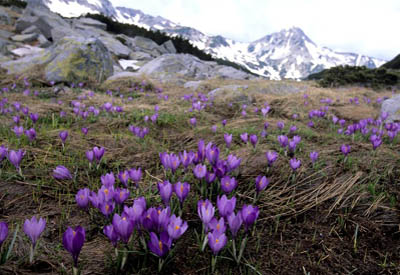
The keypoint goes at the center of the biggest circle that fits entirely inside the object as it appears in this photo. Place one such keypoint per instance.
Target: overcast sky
(369, 27)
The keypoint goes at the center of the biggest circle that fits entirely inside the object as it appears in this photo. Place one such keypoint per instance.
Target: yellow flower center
(216, 240)
(107, 207)
(106, 191)
(177, 227)
(160, 245)
(181, 188)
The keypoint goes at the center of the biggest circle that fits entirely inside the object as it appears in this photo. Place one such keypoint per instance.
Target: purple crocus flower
(16, 119)
(31, 134)
(217, 226)
(223, 123)
(98, 153)
(244, 137)
(176, 227)
(107, 106)
(90, 155)
(3, 232)
(135, 175)
(292, 146)
(63, 136)
(200, 171)
(216, 242)
(232, 162)
(205, 210)
(234, 222)
(165, 189)
(82, 198)
(62, 173)
(293, 128)
(84, 130)
(283, 140)
(249, 215)
(226, 206)
(212, 154)
(111, 234)
(345, 148)
(210, 177)
(310, 124)
(3, 152)
(159, 246)
(106, 207)
(181, 190)
(121, 195)
(15, 157)
(295, 163)
(186, 158)
(33, 228)
(376, 141)
(228, 184)
(108, 180)
(261, 183)
(18, 130)
(214, 128)
(228, 139)
(193, 121)
(34, 117)
(271, 157)
(280, 125)
(73, 240)
(314, 156)
(123, 226)
(136, 210)
(123, 177)
(254, 140)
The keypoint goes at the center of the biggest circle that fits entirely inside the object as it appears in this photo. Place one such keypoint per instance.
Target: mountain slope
(285, 54)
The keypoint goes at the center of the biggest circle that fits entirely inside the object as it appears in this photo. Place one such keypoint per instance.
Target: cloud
(361, 26)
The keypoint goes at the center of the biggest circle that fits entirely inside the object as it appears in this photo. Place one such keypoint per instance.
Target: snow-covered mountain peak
(288, 53)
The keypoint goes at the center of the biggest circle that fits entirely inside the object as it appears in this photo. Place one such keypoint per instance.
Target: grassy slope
(335, 217)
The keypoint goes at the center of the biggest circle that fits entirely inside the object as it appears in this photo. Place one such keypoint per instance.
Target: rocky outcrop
(392, 107)
(173, 66)
(25, 38)
(72, 59)
(115, 47)
(238, 94)
(4, 17)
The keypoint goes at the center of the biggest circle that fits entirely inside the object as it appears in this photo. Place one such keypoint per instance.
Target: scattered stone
(24, 38)
(392, 107)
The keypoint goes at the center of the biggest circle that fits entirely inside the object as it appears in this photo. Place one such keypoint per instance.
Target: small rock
(392, 107)
(25, 38)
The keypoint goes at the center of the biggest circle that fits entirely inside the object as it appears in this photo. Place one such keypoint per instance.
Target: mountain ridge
(289, 53)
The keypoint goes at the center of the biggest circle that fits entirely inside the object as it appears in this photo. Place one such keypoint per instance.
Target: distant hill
(354, 75)
(393, 64)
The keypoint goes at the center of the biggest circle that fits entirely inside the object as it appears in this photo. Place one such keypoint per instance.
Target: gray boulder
(24, 38)
(50, 24)
(4, 17)
(193, 85)
(79, 59)
(115, 47)
(4, 46)
(119, 75)
(143, 44)
(169, 47)
(72, 59)
(392, 107)
(238, 94)
(171, 66)
(5, 34)
(140, 56)
(226, 72)
(31, 29)
(43, 42)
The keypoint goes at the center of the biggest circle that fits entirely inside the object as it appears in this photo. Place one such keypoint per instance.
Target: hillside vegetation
(355, 75)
